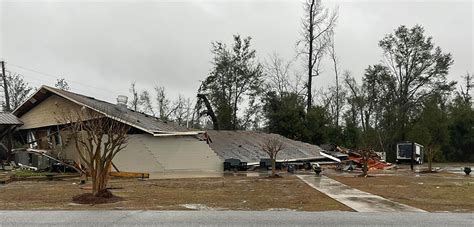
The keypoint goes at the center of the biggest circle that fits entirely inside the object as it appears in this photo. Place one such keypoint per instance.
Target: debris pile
(357, 156)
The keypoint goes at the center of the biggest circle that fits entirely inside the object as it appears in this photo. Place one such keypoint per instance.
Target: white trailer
(404, 152)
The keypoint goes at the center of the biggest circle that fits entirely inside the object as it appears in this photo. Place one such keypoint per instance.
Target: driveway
(356, 199)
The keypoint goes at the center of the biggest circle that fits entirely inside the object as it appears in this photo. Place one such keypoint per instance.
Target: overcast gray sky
(101, 46)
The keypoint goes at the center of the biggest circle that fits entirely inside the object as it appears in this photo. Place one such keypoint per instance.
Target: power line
(42, 82)
(56, 77)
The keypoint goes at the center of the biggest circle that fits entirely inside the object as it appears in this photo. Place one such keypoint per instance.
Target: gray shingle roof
(138, 120)
(9, 119)
(246, 146)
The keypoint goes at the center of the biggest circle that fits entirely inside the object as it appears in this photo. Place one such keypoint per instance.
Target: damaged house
(153, 145)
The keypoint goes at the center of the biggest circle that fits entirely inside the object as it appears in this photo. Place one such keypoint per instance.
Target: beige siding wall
(136, 157)
(49, 112)
(146, 153)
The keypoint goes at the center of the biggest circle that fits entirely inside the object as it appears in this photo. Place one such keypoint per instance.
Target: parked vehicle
(404, 152)
(235, 164)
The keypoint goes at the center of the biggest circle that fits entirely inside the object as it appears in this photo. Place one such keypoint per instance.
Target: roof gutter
(165, 133)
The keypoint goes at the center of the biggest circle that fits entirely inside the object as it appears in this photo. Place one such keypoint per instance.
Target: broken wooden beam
(130, 174)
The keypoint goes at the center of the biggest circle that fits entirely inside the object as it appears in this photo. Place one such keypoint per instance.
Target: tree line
(406, 97)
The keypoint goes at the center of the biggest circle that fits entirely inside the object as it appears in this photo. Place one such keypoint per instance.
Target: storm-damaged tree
(62, 84)
(338, 98)
(97, 139)
(317, 26)
(18, 89)
(272, 146)
(236, 77)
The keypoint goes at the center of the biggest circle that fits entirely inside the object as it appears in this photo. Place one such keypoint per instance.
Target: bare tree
(62, 84)
(465, 93)
(333, 101)
(135, 100)
(179, 110)
(355, 99)
(188, 106)
(272, 146)
(365, 154)
(277, 73)
(317, 23)
(281, 76)
(145, 101)
(332, 53)
(162, 102)
(97, 140)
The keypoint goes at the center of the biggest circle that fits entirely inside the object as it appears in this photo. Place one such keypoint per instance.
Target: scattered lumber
(130, 174)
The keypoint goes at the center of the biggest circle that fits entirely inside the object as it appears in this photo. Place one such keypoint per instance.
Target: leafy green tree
(18, 89)
(236, 76)
(392, 93)
(317, 126)
(431, 129)
(285, 114)
(418, 69)
(351, 133)
(461, 126)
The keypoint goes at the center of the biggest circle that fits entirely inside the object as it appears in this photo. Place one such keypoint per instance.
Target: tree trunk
(210, 111)
(365, 168)
(430, 155)
(100, 177)
(310, 57)
(273, 166)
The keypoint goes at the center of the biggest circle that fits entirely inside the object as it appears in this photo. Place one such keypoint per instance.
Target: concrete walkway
(358, 200)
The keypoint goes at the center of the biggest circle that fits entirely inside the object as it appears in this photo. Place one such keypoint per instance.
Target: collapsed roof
(135, 119)
(246, 146)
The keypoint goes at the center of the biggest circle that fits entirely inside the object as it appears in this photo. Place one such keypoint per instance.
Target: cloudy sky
(101, 46)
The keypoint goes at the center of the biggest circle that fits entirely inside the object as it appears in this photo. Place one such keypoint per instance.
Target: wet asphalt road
(229, 218)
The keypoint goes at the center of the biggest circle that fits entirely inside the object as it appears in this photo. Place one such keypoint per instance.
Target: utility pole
(7, 109)
(412, 160)
(5, 88)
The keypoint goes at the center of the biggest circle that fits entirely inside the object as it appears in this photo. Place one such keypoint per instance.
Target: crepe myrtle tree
(97, 139)
(365, 154)
(272, 146)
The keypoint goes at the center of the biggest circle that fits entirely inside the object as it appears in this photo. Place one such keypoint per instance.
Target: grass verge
(225, 193)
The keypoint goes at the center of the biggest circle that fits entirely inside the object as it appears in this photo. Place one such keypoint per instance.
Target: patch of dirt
(103, 197)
